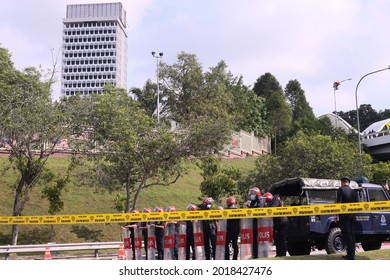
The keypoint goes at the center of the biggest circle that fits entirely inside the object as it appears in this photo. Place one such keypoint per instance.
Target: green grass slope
(88, 200)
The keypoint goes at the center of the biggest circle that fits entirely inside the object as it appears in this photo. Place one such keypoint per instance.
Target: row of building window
(88, 62)
(89, 54)
(86, 92)
(83, 85)
(89, 47)
(89, 32)
(90, 24)
(88, 77)
(89, 69)
(91, 39)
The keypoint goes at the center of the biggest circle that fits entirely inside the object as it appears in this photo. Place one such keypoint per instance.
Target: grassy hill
(88, 200)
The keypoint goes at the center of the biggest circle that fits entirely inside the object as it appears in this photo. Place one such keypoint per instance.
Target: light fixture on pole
(336, 87)
(357, 112)
(158, 86)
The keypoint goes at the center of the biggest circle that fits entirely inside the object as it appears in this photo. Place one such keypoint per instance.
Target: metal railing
(6, 250)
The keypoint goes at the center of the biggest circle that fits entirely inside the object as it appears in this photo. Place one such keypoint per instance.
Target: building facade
(94, 48)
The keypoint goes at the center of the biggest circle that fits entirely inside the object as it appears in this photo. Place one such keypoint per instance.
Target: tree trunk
(16, 211)
(141, 185)
(15, 233)
(128, 195)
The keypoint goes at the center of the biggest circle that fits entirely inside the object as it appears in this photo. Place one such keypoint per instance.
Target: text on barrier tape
(265, 212)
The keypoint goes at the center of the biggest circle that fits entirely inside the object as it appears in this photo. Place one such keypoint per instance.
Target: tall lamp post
(336, 87)
(357, 112)
(158, 86)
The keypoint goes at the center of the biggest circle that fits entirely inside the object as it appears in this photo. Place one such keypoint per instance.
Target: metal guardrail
(96, 246)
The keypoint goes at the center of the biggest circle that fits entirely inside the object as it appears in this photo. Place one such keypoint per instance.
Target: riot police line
(224, 239)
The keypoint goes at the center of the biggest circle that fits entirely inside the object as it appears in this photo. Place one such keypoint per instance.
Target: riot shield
(265, 236)
(199, 240)
(221, 240)
(127, 243)
(246, 239)
(169, 242)
(182, 241)
(138, 243)
(151, 243)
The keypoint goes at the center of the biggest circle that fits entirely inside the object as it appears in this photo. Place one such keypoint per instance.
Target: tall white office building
(94, 48)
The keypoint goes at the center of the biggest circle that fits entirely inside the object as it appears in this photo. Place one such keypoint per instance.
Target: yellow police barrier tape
(242, 213)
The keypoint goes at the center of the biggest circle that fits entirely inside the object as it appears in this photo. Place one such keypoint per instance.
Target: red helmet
(147, 210)
(254, 191)
(158, 209)
(171, 209)
(268, 196)
(208, 200)
(192, 207)
(134, 211)
(231, 201)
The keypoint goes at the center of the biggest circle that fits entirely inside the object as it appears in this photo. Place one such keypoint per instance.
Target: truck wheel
(298, 248)
(371, 245)
(335, 242)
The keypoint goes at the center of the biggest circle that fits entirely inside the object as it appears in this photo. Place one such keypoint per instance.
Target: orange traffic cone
(121, 252)
(47, 255)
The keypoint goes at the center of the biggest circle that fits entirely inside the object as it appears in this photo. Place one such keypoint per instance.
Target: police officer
(131, 227)
(280, 227)
(190, 242)
(255, 202)
(144, 226)
(346, 194)
(159, 233)
(209, 230)
(232, 230)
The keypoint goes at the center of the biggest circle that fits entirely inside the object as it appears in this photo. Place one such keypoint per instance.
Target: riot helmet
(254, 193)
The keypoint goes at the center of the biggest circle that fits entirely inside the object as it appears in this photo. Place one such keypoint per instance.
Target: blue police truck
(323, 231)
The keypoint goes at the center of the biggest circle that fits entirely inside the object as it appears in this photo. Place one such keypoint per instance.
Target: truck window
(322, 196)
(376, 195)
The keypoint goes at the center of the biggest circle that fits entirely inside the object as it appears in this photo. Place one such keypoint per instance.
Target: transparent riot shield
(221, 240)
(127, 243)
(182, 241)
(138, 243)
(169, 242)
(265, 236)
(246, 239)
(198, 240)
(151, 243)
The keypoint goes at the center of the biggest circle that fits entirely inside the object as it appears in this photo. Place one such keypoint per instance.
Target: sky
(315, 42)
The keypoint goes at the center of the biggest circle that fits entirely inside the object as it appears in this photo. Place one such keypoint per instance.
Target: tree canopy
(31, 126)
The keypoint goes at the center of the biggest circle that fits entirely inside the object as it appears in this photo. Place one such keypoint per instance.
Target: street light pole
(158, 86)
(357, 112)
(336, 87)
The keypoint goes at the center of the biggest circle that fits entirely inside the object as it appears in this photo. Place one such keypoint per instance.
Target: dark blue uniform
(346, 194)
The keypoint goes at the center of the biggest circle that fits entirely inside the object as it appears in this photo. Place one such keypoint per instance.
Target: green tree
(266, 85)
(147, 97)
(367, 116)
(31, 124)
(54, 185)
(132, 153)
(135, 152)
(380, 173)
(218, 182)
(198, 104)
(279, 114)
(279, 117)
(314, 156)
(250, 110)
(302, 114)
